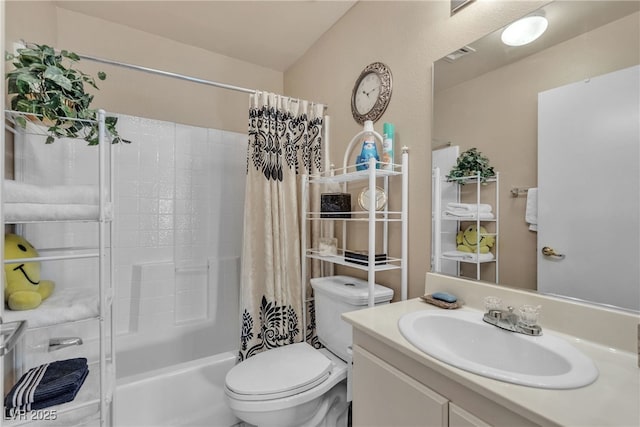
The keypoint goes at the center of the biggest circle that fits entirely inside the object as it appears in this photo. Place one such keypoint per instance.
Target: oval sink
(462, 339)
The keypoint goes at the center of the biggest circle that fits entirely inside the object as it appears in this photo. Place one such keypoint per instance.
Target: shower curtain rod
(173, 75)
(180, 76)
(168, 74)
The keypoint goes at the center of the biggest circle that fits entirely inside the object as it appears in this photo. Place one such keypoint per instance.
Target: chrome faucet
(525, 323)
(59, 343)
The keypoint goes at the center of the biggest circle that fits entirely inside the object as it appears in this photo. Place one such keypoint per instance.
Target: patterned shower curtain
(285, 142)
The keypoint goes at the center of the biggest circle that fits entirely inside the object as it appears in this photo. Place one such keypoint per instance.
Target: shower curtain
(285, 142)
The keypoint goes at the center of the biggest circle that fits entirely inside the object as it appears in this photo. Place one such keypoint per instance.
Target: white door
(444, 232)
(589, 189)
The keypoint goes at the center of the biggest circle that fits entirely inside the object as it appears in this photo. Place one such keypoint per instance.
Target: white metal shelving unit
(439, 217)
(93, 403)
(345, 176)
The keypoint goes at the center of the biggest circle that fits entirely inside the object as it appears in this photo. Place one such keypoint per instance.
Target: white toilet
(297, 385)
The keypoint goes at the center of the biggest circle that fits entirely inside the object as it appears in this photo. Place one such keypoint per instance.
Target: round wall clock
(371, 93)
(365, 195)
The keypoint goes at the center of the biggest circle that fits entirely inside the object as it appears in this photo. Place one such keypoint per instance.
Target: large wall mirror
(521, 107)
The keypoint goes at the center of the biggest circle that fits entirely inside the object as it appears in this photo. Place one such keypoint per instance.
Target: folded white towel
(531, 210)
(64, 305)
(468, 256)
(20, 192)
(467, 214)
(22, 212)
(469, 207)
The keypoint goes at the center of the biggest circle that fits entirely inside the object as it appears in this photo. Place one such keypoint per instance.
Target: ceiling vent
(457, 54)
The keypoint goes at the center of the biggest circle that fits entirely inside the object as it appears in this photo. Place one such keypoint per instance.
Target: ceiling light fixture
(524, 30)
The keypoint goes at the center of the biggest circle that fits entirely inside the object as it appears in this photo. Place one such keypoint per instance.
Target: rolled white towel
(468, 256)
(468, 214)
(20, 192)
(64, 305)
(18, 212)
(469, 207)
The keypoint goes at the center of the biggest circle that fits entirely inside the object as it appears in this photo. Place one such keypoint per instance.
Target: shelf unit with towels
(344, 177)
(440, 232)
(91, 310)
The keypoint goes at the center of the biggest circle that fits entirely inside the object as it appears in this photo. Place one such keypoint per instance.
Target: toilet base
(334, 410)
(328, 410)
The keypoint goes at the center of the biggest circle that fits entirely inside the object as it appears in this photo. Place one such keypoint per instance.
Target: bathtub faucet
(58, 343)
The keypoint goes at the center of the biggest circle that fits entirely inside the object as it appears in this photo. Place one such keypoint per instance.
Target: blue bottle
(369, 148)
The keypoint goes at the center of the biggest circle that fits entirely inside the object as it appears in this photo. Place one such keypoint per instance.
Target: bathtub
(137, 353)
(186, 394)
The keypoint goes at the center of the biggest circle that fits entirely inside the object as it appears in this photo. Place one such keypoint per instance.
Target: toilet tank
(335, 295)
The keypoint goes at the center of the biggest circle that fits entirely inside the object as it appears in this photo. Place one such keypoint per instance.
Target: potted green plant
(469, 164)
(46, 85)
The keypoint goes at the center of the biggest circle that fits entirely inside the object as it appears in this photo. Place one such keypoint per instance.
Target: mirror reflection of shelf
(446, 257)
(469, 257)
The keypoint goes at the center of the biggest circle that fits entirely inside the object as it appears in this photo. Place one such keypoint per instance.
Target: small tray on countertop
(439, 303)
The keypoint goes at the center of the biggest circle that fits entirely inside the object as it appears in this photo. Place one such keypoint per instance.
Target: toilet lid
(279, 372)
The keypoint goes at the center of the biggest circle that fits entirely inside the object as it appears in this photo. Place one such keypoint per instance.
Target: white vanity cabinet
(391, 389)
(477, 400)
(458, 417)
(377, 386)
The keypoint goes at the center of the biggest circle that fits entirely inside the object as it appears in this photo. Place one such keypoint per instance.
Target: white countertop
(612, 400)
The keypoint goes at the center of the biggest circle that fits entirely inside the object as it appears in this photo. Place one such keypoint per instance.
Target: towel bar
(11, 332)
(58, 343)
(192, 268)
(516, 191)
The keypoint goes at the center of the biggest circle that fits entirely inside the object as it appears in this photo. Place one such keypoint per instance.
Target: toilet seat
(337, 374)
(278, 373)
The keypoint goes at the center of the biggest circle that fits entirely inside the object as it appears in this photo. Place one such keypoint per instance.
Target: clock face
(379, 195)
(371, 93)
(367, 93)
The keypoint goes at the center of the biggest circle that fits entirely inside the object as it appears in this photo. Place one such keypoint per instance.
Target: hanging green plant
(470, 164)
(46, 85)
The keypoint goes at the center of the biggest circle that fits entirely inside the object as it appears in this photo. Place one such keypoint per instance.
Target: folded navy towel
(48, 383)
(56, 400)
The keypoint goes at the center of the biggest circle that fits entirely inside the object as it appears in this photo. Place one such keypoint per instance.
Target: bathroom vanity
(395, 383)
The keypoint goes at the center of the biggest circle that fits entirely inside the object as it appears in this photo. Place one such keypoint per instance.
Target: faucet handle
(529, 314)
(492, 304)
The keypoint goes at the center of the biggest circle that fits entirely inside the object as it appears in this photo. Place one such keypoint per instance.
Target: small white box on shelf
(328, 246)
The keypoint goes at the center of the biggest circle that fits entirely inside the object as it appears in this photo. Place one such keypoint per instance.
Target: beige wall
(141, 94)
(28, 20)
(408, 37)
(497, 112)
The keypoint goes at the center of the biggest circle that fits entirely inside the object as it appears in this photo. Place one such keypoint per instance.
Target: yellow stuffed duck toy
(467, 240)
(23, 288)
